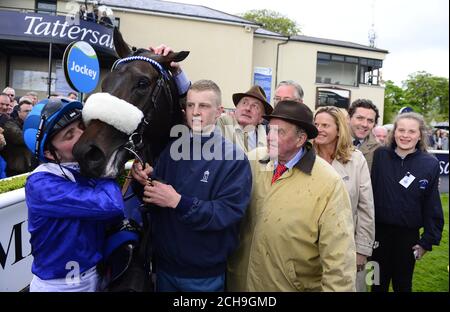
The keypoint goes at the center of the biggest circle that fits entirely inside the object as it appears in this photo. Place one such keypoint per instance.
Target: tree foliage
(429, 94)
(425, 93)
(393, 101)
(273, 21)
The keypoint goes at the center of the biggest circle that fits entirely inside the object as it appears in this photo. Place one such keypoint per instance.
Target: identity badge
(407, 180)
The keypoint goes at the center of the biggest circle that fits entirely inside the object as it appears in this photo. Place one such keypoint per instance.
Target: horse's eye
(143, 83)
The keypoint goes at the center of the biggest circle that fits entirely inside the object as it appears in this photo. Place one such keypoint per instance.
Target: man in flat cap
(298, 232)
(244, 128)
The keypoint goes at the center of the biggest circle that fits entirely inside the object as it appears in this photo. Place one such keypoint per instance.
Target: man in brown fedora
(244, 128)
(298, 232)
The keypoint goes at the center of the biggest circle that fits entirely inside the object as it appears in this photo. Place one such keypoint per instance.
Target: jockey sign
(81, 66)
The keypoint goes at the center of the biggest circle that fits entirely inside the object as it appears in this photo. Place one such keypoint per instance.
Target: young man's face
(202, 110)
(64, 141)
(362, 122)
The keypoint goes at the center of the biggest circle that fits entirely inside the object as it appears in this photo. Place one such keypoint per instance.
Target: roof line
(358, 47)
(187, 16)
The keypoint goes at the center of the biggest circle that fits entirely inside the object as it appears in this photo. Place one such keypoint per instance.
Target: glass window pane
(323, 56)
(351, 59)
(337, 73)
(32, 80)
(363, 61)
(335, 57)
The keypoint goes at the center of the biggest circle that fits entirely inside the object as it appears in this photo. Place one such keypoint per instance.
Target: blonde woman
(334, 144)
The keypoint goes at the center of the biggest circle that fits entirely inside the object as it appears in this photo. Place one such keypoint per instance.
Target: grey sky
(416, 33)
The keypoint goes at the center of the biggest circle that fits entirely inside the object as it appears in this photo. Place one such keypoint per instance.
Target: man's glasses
(278, 99)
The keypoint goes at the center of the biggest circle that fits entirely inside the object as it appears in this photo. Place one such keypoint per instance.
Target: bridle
(135, 140)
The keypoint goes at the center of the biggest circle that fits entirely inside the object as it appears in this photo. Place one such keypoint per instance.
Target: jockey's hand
(164, 50)
(139, 174)
(160, 194)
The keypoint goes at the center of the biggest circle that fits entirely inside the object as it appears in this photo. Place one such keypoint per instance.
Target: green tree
(273, 21)
(393, 101)
(429, 94)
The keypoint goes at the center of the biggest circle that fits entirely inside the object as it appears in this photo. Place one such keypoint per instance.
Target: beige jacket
(369, 146)
(232, 131)
(298, 233)
(356, 177)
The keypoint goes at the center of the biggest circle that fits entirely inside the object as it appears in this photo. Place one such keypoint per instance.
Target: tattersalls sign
(55, 29)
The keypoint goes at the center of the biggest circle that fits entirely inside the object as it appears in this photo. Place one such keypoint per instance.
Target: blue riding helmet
(46, 119)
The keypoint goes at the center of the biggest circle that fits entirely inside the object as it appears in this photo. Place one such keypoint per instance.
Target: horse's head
(142, 79)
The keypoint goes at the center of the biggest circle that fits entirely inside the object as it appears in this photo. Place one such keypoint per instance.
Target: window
(332, 97)
(369, 71)
(46, 6)
(336, 69)
(23, 79)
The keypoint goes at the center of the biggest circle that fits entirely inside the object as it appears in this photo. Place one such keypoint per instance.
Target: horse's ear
(120, 45)
(178, 56)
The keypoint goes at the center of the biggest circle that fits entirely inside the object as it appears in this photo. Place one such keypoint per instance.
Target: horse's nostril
(94, 154)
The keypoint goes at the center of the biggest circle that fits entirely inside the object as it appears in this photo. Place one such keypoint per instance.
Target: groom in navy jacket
(206, 190)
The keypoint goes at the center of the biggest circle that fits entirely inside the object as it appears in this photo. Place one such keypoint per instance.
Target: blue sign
(81, 66)
(263, 77)
(442, 156)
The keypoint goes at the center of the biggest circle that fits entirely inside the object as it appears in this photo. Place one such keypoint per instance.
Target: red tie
(278, 172)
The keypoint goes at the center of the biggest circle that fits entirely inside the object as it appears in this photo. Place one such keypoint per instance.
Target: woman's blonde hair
(344, 146)
(422, 143)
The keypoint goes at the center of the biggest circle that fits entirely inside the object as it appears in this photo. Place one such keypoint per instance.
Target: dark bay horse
(102, 150)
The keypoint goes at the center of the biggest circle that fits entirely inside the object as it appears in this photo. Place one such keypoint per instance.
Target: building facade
(230, 50)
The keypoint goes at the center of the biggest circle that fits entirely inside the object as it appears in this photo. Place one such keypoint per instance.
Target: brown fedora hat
(255, 92)
(296, 113)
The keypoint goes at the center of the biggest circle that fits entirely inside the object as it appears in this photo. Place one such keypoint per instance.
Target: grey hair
(297, 87)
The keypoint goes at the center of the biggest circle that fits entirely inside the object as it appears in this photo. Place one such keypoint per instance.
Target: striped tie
(278, 172)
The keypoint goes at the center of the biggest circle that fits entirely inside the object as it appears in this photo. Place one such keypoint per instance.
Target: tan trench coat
(232, 131)
(298, 233)
(356, 177)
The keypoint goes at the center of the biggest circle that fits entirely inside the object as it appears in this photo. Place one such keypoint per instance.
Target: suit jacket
(233, 132)
(369, 146)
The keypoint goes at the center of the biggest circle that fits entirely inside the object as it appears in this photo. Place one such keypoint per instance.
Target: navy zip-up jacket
(413, 207)
(195, 239)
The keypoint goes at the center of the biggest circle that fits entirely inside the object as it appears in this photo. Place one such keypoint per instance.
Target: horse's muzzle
(91, 159)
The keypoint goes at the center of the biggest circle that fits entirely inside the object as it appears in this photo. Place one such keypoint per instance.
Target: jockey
(67, 213)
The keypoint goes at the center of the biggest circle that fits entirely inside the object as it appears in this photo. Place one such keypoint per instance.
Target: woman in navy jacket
(405, 187)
